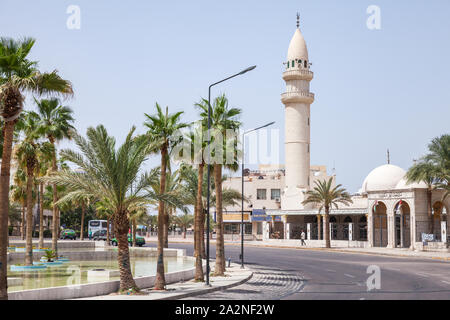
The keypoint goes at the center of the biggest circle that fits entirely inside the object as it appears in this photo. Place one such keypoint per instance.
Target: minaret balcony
(297, 97)
(298, 74)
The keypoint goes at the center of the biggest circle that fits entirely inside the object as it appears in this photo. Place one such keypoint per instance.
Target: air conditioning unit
(277, 199)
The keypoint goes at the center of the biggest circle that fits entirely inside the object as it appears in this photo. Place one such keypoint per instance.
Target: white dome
(402, 184)
(297, 47)
(385, 177)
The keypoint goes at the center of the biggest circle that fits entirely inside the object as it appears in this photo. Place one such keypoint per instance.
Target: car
(68, 234)
(140, 241)
(99, 235)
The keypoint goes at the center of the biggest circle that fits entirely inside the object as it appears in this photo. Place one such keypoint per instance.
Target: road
(296, 274)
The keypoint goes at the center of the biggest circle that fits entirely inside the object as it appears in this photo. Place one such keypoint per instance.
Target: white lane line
(329, 270)
(422, 275)
(395, 269)
(348, 275)
(362, 298)
(445, 281)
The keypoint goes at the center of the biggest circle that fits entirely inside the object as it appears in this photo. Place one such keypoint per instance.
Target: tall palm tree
(427, 172)
(55, 124)
(27, 153)
(161, 129)
(108, 176)
(223, 119)
(18, 75)
(325, 196)
(184, 221)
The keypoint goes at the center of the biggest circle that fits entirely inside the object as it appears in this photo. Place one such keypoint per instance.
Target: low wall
(320, 243)
(432, 246)
(103, 254)
(62, 244)
(96, 289)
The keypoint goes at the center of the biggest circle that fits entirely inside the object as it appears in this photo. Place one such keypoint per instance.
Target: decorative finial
(298, 20)
(388, 157)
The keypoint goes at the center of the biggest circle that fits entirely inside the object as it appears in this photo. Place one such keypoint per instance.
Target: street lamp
(242, 189)
(209, 166)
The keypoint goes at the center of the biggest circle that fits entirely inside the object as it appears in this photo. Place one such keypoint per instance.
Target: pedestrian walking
(302, 237)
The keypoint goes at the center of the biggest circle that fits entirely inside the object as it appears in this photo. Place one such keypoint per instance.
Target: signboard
(427, 237)
(259, 215)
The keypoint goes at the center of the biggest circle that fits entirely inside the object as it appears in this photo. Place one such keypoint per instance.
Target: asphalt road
(299, 274)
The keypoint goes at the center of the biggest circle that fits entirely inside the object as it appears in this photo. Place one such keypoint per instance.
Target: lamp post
(242, 189)
(209, 166)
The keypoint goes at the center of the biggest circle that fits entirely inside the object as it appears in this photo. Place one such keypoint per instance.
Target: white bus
(96, 225)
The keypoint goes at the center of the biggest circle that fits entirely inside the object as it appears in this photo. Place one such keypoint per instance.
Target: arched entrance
(380, 234)
(402, 224)
(347, 220)
(333, 228)
(363, 228)
(438, 214)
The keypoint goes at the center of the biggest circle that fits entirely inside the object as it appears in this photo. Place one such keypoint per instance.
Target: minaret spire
(388, 157)
(298, 20)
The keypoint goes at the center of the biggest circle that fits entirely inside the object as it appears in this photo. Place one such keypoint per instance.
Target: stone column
(308, 231)
(287, 231)
(391, 230)
(412, 227)
(444, 231)
(265, 226)
(370, 228)
(350, 232)
(319, 233)
(402, 217)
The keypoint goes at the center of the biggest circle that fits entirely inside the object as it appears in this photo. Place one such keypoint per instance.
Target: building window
(293, 63)
(261, 194)
(308, 148)
(274, 194)
(288, 64)
(308, 121)
(306, 64)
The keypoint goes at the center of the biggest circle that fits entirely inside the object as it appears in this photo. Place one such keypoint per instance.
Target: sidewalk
(234, 277)
(395, 252)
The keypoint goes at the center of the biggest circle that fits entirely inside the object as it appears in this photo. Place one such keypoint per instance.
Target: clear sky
(375, 89)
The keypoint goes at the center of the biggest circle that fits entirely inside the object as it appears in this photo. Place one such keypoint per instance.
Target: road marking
(445, 281)
(395, 269)
(348, 275)
(422, 275)
(362, 298)
(329, 270)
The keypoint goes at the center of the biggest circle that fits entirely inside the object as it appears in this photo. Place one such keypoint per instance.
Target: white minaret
(297, 100)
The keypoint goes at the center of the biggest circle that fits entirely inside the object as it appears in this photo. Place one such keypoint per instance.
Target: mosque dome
(403, 184)
(385, 177)
(297, 48)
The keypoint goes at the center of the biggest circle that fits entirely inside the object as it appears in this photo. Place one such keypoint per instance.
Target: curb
(207, 290)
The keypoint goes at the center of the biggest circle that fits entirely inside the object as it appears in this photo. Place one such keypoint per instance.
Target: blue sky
(375, 89)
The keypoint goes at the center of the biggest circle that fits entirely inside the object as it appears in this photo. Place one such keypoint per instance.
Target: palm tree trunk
(83, 212)
(24, 212)
(429, 211)
(55, 217)
(8, 132)
(41, 216)
(121, 226)
(220, 249)
(327, 228)
(160, 281)
(166, 228)
(134, 232)
(198, 230)
(29, 239)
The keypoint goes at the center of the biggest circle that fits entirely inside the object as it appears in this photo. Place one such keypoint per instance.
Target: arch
(380, 229)
(333, 219)
(363, 219)
(402, 225)
(348, 219)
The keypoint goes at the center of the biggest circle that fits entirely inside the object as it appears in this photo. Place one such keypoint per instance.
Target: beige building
(386, 212)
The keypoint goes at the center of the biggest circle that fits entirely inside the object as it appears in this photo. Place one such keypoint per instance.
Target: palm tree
(326, 197)
(427, 172)
(161, 129)
(55, 124)
(18, 75)
(27, 153)
(184, 221)
(19, 195)
(108, 176)
(223, 118)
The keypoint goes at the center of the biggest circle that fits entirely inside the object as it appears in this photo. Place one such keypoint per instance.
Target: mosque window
(308, 148)
(288, 64)
(293, 63)
(308, 121)
(306, 64)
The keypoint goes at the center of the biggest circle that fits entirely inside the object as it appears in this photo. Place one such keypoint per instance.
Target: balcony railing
(298, 74)
(297, 96)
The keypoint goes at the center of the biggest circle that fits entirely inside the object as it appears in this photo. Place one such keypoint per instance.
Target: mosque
(386, 212)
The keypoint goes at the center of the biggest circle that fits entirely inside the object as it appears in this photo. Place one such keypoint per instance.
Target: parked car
(68, 234)
(140, 241)
(99, 235)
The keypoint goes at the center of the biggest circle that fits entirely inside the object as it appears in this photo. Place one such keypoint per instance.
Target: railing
(298, 74)
(297, 95)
